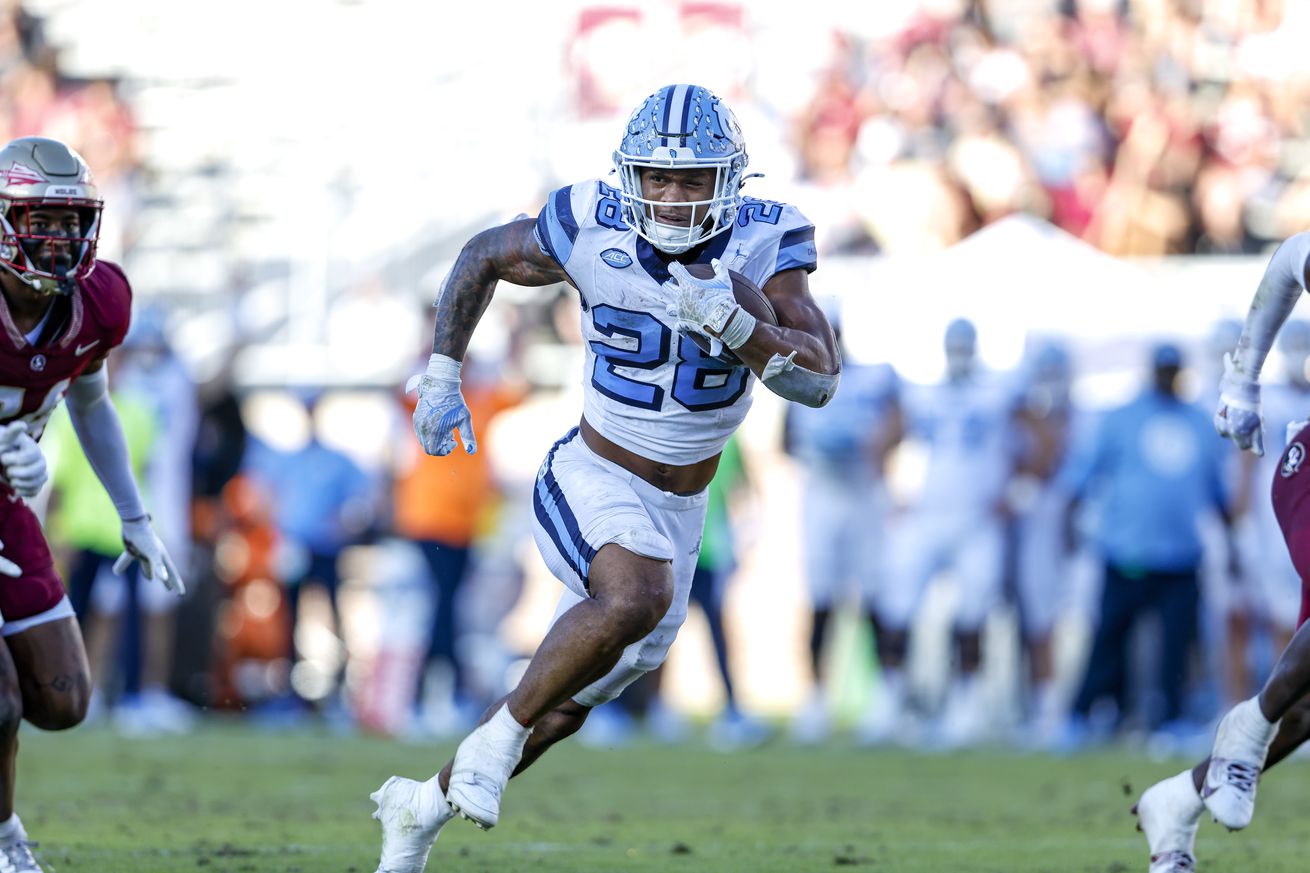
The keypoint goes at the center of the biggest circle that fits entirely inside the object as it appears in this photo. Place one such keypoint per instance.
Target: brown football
(750, 297)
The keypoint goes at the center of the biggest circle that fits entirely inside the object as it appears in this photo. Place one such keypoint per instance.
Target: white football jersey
(836, 438)
(968, 429)
(647, 388)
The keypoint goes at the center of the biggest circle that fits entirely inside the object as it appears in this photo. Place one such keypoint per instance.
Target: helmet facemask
(51, 258)
(44, 251)
(681, 127)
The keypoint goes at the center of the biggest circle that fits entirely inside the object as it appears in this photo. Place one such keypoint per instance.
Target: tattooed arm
(509, 252)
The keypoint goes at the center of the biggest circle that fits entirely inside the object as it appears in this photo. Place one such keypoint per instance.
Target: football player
(61, 313)
(619, 502)
(955, 523)
(1044, 419)
(1276, 586)
(843, 450)
(1259, 732)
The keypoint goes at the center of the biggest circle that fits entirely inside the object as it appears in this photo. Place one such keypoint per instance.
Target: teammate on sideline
(620, 500)
(955, 523)
(61, 313)
(1257, 733)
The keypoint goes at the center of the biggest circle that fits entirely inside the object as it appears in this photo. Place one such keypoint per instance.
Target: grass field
(231, 799)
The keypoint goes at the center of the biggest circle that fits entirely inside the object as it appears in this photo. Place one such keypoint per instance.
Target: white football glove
(708, 307)
(441, 408)
(9, 568)
(143, 545)
(22, 459)
(1238, 415)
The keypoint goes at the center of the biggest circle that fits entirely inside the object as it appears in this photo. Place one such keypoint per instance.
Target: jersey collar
(654, 265)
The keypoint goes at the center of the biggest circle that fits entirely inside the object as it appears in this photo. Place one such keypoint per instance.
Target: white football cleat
(1169, 814)
(965, 720)
(412, 814)
(1240, 747)
(483, 764)
(16, 857)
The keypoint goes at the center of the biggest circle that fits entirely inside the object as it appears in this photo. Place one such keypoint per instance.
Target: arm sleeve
(95, 420)
(1280, 288)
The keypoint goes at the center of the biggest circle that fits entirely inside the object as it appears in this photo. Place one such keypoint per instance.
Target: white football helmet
(37, 173)
(682, 127)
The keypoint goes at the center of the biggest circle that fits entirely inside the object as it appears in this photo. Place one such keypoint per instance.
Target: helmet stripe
(668, 106)
(678, 108)
(685, 126)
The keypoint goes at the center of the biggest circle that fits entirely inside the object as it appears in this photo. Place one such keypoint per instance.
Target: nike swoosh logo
(80, 349)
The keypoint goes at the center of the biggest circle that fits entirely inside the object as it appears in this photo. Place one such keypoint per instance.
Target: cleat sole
(481, 825)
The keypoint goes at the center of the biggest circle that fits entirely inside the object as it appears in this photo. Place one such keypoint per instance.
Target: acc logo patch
(37, 363)
(1292, 460)
(616, 258)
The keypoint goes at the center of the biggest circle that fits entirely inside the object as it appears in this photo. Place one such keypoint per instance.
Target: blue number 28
(700, 382)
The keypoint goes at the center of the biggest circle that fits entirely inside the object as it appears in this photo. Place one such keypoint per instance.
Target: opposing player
(620, 500)
(1257, 733)
(61, 313)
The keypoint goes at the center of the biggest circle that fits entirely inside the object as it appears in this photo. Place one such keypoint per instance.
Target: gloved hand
(22, 459)
(8, 567)
(441, 408)
(709, 307)
(143, 545)
(1238, 415)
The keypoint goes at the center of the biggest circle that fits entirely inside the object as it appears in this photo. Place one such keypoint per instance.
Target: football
(748, 295)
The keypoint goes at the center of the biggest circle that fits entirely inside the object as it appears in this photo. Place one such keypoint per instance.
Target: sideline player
(843, 450)
(1044, 422)
(955, 523)
(61, 313)
(620, 500)
(1258, 733)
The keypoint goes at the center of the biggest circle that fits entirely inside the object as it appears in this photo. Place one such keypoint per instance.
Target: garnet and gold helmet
(39, 174)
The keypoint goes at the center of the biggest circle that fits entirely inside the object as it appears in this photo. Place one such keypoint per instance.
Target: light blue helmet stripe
(667, 97)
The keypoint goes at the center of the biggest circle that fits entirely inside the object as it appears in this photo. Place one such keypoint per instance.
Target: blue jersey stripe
(556, 226)
(796, 250)
(801, 256)
(556, 516)
(563, 203)
(799, 235)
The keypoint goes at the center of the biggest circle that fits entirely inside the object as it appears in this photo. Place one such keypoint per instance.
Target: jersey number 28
(700, 383)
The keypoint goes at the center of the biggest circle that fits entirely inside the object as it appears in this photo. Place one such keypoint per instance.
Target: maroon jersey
(1290, 491)
(82, 327)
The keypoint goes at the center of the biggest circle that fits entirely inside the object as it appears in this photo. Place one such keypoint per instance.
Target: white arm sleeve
(1280, 288)
(95, 420)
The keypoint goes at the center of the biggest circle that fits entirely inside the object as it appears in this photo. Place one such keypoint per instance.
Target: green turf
(230, 799)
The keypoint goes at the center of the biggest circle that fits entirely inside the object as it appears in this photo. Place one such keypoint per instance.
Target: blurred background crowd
(1036, 220)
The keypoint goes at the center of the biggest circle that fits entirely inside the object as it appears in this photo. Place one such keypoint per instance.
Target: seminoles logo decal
(1292, 460)
(616, 259)
(20, 174)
